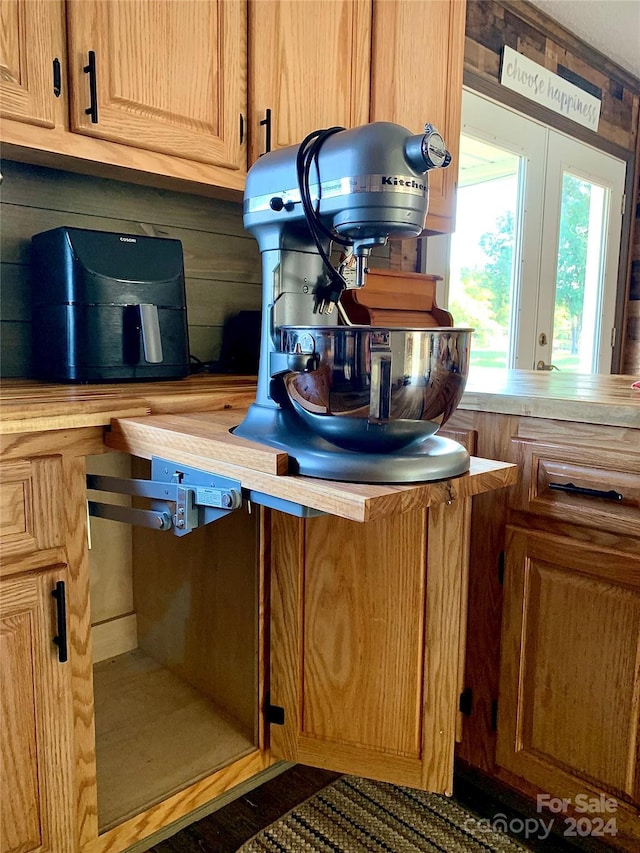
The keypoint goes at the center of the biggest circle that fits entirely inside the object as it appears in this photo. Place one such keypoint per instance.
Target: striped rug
(354, 815)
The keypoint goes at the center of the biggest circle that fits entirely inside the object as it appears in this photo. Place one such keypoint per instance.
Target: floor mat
(354, 815)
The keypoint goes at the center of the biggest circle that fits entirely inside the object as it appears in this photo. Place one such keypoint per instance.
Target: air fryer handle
(150, 327)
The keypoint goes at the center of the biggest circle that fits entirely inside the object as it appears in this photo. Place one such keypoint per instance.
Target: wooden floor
(226, 830)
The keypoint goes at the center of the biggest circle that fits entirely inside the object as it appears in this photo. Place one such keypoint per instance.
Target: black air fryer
(107, 307)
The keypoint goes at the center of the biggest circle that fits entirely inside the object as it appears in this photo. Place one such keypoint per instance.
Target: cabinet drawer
(580, 485)
(30, 506)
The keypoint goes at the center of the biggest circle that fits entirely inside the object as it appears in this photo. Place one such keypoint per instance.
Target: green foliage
(486, 303)
(572, 255)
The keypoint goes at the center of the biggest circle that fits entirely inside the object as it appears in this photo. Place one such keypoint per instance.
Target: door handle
(61, 612)
(90, 69)
(266, 123)
(150, 326)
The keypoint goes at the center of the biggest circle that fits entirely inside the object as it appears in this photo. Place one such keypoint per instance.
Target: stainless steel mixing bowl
(375, 389)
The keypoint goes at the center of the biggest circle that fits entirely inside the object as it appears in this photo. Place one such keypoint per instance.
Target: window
(532, 266)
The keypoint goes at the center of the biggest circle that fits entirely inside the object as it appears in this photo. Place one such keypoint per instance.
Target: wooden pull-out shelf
(204, 441)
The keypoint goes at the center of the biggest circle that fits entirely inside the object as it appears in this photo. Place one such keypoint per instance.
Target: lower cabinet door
(365, 643)
(35, 718)
(568, 710)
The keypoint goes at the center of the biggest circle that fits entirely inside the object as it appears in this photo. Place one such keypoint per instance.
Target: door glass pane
(579, 275)
(485, 249)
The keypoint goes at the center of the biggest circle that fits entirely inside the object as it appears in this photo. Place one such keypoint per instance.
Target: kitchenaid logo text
(393, 181)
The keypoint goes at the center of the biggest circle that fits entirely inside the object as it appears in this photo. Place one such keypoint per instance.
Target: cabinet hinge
(494, 715)
(501, 568)
(466, 702)
(273, 713)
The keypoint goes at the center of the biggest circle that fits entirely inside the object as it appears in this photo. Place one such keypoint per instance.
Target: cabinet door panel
(31, 504)
(310, 66)
(366, 587)
(366, 643)
(416, 77)
(170, 76)
(30, 39)
(571, 644)
(35, 716)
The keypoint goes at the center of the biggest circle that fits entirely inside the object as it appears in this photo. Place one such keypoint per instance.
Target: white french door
(579, 258)
(533, 263)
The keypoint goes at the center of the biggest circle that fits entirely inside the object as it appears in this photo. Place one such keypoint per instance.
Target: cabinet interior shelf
(155, 734)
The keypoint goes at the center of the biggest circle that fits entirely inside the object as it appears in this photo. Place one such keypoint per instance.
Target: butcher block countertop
(30, 406)
(190, 419)
(586, 398)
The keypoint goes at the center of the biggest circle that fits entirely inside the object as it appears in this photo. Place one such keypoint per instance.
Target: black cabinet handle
(241, 128)
(266, 123)
(57, 78)
(571, 489)
(90, 69)
(61, 607)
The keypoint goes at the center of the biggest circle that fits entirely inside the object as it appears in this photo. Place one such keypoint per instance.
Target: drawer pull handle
(570, 488)
(61, 637)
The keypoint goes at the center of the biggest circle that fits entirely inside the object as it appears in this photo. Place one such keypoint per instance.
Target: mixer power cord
(308, 152)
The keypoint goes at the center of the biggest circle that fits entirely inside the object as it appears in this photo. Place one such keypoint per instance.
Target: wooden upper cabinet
(568, 711)
(36, 813)
(31, 38)
(309, 67)
(416, 77)
(169, 76)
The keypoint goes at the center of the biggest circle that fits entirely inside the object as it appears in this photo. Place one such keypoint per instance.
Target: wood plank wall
(490, 24)
(631, 362)
(222, 262)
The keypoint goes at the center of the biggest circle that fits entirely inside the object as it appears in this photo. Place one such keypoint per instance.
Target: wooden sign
(523, 75)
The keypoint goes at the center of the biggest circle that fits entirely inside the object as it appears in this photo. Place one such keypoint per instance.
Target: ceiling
(612, 27)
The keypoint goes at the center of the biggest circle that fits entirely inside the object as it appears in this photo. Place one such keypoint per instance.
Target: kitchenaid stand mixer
(329, 394)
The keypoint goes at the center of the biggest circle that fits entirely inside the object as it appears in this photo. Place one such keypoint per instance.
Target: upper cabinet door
(310, 69)
(416, 77)
(168, 76)
(31, 38)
